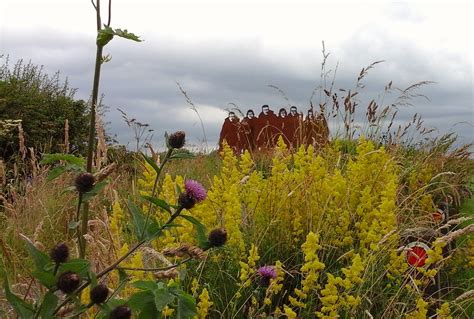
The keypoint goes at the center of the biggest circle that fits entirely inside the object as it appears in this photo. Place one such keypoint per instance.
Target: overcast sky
(225, 52)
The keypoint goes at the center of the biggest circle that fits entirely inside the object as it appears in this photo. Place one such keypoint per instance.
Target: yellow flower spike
(444, 311)
(167, 312)
(289, 313)
(204, 304)
(310, 270)
(194, 286)
(421, 310)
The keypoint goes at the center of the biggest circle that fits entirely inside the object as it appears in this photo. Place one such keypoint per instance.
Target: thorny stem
(122, 258)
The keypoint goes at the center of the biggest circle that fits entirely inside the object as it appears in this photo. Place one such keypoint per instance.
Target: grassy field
(313, 233)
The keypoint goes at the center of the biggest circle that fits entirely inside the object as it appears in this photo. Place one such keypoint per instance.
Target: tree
(43, 104)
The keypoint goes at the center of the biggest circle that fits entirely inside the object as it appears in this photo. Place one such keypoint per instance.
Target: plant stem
(91, 143)
(155, 184)
(78, 219)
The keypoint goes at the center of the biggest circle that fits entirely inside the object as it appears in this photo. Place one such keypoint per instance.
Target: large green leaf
(140, 299)
(163, 298)
(149, 311)
(146, 285)
(39, 258)
(45, 278)
(68, 158)
(55, 172)
(186, 306)
(50, 301)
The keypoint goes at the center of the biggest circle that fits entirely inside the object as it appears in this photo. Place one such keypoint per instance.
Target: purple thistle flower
(194, 193)
(266, 273)
(195, 190)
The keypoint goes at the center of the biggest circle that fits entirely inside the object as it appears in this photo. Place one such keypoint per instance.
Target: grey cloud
(141, 78)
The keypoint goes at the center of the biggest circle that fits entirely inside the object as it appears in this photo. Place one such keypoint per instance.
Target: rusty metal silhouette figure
(262, 132)
(231, 132)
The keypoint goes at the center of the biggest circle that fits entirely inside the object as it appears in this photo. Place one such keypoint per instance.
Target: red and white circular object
(416, 254)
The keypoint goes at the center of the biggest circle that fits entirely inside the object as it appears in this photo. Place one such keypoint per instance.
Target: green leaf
(50, 301)
(152, 163)
(79, 266)
(127, 35)
(45, 278)
(182, 155)
(108, 307)
(22, 308)
(139, 220)
(104, 36)
(55, 172)
(39, 258)
(163, 298)
(96, 190)
(93, 278)
(140, 299)
(186, 306)
(201, 231)
(146, 285)
(149, 311)
(158, 202)
(68, 158)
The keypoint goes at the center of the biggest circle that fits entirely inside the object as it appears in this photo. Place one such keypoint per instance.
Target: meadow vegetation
(376, 224)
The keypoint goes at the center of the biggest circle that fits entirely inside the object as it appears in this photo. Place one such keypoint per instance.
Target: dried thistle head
(59, 253)
(177, 139)
(68, 282)
(217, 237)
(84, 182)
(121, 312)
(99, 294)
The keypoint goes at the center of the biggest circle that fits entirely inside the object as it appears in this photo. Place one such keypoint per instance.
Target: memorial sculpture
(262, 132)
